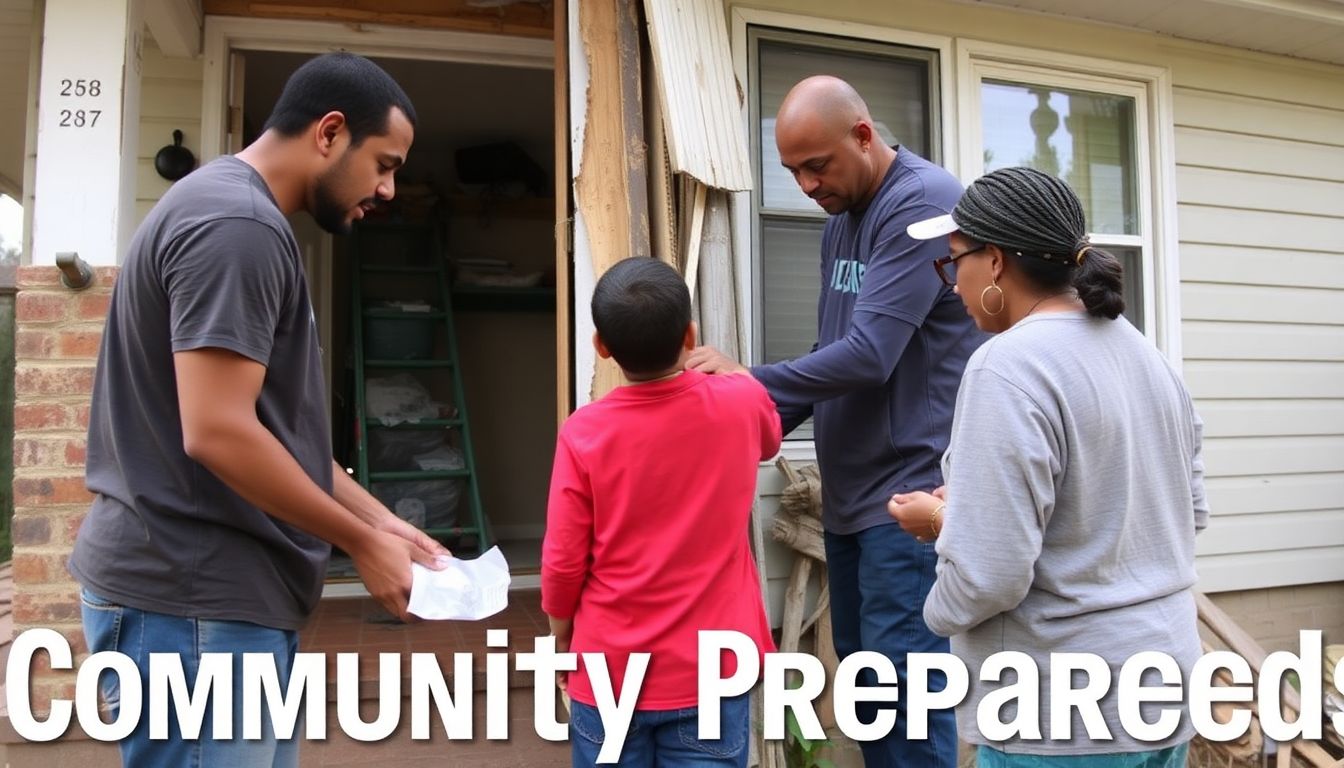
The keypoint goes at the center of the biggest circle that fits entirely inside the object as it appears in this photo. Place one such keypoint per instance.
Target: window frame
(1154, 152)
(811, 39)
(958, 118)
(746, 221)
(757, 34)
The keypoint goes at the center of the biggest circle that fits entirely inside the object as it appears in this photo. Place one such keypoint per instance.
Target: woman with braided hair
(1074, 482)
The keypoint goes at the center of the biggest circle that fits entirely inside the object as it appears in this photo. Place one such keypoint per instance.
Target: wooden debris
(791, 625)
(802, 497)
(798, 526)
(1222, 626)
(803, 534)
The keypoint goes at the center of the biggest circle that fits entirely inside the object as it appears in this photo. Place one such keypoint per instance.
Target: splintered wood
(1250, 749)
(806, 623)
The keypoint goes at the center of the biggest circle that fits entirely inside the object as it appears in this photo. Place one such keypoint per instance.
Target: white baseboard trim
(355, 589)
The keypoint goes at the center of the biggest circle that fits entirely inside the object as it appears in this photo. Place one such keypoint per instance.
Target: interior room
(443, 413)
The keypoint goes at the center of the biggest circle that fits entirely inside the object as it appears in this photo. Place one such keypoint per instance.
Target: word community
(162, 691)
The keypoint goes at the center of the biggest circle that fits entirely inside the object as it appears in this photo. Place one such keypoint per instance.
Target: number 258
(81, 87)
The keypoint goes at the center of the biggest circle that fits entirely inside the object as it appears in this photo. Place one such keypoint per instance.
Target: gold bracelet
(933, 519)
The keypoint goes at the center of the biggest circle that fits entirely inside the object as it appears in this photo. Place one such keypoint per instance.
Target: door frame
(225, 34)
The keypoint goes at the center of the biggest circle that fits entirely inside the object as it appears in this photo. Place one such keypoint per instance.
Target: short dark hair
(641, 308)
(339, 82)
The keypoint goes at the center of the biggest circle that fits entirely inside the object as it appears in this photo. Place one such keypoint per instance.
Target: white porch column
(87, 130)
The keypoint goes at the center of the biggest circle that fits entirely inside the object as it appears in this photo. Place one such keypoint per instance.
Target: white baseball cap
(928, 229)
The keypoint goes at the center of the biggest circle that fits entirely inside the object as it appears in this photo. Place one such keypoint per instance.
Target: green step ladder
(417, 255)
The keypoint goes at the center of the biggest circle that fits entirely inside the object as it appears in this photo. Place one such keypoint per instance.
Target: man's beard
(327, 211)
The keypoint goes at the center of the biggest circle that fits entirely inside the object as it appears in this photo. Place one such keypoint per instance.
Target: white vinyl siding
(778, 557)
(16, 17)
(1260, 186)
(170, 98)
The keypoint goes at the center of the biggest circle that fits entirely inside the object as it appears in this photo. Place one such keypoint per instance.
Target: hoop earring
(1002, 299)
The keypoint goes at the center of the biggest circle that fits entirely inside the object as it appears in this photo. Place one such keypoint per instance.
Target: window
(1086, 129)
(11, 229)
(900, 85)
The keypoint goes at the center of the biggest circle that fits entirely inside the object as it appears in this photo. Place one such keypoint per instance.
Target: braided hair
(1038, 219)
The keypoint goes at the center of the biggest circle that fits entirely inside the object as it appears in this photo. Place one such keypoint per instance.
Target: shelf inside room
(491, 298)
(503, 207)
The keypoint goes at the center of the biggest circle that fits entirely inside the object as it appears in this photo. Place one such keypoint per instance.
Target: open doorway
(477, 194)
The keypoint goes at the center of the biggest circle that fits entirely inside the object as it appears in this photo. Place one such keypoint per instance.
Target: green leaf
(792, 727)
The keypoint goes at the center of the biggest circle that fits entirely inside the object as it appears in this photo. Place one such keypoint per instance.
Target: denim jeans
(137, 633)
(1171, 757)
(666, 738)
(879, 579)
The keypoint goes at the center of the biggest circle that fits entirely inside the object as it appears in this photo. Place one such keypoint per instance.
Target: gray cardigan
(1075, 490)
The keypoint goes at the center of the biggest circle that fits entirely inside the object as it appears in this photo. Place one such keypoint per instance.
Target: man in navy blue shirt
(880, 383)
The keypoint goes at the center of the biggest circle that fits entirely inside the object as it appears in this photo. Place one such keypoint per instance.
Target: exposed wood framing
(719, 320)
(611, 189)
(564, 396)
(662, 201)
(694, 233)
(526, 19)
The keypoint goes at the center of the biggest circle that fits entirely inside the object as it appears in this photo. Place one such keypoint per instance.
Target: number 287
(79, 118)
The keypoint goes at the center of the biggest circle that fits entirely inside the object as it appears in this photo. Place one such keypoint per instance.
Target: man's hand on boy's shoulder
(711, 360)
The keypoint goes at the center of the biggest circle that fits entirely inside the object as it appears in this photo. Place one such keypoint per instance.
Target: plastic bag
(400, 398)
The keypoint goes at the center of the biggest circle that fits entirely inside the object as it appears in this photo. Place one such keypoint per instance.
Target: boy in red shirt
(646, 527)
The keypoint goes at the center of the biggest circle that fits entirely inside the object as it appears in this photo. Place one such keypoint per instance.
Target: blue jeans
(137, 633)
(666, 738)
(1171, 757)
(879, 578)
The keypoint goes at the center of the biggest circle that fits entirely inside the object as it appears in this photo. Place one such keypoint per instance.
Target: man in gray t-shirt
(217, 501)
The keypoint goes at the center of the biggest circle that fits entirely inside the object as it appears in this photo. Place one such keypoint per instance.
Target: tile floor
(359, 625)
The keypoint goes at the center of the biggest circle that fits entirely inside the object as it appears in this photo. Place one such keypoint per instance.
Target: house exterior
(1206, 136)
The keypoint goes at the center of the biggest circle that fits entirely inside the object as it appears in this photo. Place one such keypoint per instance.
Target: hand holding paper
(464, 589)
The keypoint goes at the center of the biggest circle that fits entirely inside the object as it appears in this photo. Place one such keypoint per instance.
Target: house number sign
(77, 96)
(88, 122)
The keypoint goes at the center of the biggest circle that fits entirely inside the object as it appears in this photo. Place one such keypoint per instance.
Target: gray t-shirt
(214, 265)
(1075, 488)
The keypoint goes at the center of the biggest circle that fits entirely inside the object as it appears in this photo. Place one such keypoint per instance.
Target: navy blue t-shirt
(892, 342)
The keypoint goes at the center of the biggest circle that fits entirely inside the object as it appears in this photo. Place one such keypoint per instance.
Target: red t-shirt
(646, 527)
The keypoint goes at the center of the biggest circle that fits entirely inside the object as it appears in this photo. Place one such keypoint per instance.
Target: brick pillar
(55, 346)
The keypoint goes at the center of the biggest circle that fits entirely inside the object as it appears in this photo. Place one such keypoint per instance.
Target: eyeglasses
(947, 270)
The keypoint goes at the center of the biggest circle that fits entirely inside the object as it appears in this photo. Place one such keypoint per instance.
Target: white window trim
(224, 34)
(1156, 154)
